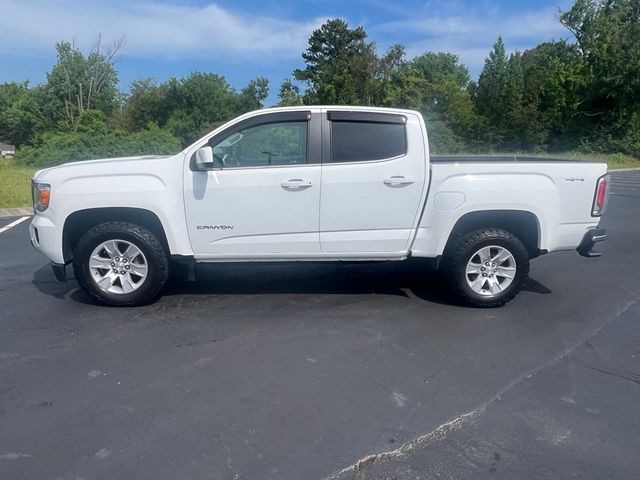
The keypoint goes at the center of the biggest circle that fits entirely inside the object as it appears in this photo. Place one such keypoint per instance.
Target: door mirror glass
(204, 158)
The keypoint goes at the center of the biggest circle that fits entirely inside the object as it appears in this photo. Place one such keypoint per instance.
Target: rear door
(374, 174)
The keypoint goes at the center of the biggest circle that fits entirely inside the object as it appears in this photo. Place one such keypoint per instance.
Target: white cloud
(470, 33)
(528, 24)
(159, 29)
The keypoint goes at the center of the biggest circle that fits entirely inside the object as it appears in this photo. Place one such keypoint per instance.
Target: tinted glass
(361, 141)
(264, 145)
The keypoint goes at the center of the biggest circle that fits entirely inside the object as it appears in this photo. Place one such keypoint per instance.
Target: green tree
(441, 66)
(78, 83)
(509, 121)
(146, 103)
(444, 99)
(192, 106)
(390, 86)
(19, 117)
(553, 85)
(289, 94)
(197, 104)
(608, 36)
(340, 65)
(94, 139)
(490, 95)
(252, 96)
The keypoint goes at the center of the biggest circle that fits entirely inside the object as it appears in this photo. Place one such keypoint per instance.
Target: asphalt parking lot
(326, 371)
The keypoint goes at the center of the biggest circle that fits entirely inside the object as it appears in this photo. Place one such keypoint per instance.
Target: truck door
(374, 175)
(262, 196)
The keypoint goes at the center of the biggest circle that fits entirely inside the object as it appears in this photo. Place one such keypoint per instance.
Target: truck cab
(308, 184)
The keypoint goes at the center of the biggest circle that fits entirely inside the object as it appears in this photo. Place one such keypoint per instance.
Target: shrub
(94, 140)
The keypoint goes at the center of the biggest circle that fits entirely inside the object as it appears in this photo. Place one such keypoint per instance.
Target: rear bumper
(589, 240)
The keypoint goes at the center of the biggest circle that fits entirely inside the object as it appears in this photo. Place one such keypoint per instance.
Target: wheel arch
(80, 221)
(522, 223)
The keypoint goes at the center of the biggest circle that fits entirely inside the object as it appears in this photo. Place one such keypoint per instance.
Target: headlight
(41, 196)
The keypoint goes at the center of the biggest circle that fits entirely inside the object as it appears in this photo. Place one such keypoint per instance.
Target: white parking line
(13, 224)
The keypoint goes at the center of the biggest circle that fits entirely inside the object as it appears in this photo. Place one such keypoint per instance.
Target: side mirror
(204, 158)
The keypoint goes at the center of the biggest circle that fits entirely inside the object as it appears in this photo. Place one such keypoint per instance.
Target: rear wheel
(120, 264)
(487, 267)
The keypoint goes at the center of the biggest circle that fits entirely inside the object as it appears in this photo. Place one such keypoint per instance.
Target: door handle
(397, 181)
(296, 184)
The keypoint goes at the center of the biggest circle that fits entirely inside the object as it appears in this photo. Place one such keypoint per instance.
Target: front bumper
(589, 240)
(46, 237)
(59, 271)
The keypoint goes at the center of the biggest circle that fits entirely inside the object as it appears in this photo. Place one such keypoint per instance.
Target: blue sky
(244, 39)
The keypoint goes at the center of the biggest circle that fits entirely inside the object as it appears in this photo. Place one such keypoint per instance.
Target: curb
(15, 212)
(624, 169)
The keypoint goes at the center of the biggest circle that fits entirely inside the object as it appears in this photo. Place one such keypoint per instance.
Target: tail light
(601, 198)
(41, 195)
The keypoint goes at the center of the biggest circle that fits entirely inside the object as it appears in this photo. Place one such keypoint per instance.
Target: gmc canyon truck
(313, 184)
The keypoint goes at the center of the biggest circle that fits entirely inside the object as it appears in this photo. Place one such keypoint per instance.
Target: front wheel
(120, 264)
(487, 267)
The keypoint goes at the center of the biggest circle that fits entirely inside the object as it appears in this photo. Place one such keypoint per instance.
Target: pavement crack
(14, 456)
(194, 343)
(441, 432)
(456, 423)
(629, 376)
(229, 460)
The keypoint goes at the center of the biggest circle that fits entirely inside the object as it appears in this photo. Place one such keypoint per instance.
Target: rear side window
(358, 141)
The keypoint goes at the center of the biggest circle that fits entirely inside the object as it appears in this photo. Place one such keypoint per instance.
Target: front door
(262, 196)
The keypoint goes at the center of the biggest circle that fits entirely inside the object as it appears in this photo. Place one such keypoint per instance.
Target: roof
(352, 108)
(6, 146)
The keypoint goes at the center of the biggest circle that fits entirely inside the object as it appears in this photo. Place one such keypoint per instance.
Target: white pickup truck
(312, 184)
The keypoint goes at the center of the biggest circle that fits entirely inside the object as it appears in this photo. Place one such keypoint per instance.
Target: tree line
(582, 94)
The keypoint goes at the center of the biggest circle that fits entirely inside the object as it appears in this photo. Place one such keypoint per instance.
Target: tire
(491, 286)
(139, 255)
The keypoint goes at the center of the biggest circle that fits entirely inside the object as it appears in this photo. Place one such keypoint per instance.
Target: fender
(469, 201)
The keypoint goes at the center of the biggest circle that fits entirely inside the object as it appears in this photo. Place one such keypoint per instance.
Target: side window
(282, 143)
(353, 141)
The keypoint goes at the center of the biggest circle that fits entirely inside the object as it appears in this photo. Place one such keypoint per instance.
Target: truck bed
(558, 192)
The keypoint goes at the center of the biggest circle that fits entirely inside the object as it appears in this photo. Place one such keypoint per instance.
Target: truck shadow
(320, 278)
(46, 283)
(414, 278)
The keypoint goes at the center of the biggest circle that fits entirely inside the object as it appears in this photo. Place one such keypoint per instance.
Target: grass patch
(15, 184)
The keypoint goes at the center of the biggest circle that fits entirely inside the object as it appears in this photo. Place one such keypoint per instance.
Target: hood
(94, 166)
